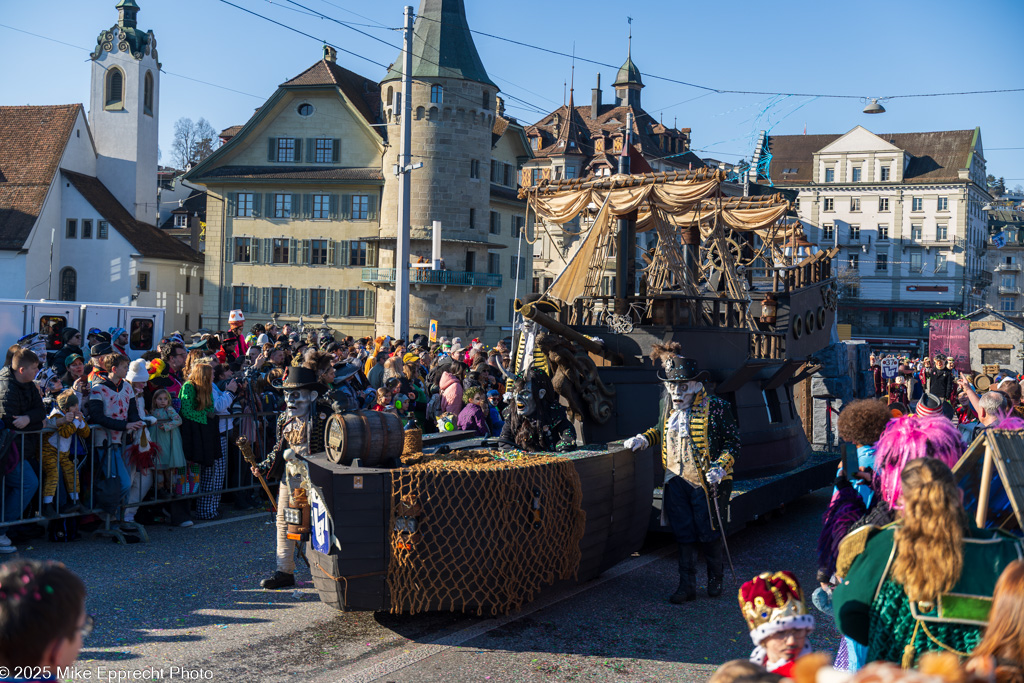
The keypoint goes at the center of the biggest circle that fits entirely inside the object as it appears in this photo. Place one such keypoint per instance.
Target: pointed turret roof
(628, 74)
(572, 137)
(442, 45)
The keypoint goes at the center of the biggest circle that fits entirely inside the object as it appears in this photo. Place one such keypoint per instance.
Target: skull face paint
(299, 401)
(526, 404)
(682, 393)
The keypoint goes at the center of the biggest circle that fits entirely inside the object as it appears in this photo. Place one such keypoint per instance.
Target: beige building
(906, 211)
(293, 197)
(1005, 258)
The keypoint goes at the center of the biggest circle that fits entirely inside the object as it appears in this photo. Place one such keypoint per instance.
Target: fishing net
(469, 530)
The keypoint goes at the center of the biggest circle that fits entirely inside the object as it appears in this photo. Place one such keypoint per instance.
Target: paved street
(189, 599)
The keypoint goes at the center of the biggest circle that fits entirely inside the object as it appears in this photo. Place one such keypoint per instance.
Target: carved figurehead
(303, 426)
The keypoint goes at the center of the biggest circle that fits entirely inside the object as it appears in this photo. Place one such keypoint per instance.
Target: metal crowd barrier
(26, 481)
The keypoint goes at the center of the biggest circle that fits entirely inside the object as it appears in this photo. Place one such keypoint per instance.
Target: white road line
(421, 652)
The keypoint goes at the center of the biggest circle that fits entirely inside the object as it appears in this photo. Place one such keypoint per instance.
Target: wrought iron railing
(426, 276)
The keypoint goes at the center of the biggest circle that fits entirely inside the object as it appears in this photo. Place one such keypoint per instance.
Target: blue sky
(866, 49)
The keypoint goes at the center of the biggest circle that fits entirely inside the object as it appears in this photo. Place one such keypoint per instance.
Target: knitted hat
(772, 603)
(137, 372)
(115, 333)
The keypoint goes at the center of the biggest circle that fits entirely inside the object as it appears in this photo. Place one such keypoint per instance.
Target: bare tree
(848, 280)
(193, 141)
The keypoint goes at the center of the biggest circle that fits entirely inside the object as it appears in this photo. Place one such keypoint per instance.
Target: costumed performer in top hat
(699, 441)
(774, 608)
(300, 433)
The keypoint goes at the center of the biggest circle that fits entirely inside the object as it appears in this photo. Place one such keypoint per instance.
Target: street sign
(890, 366)
(433, 331)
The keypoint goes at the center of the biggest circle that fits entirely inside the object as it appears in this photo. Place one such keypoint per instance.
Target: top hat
(344, 371)
(682, 369)
(300, 377)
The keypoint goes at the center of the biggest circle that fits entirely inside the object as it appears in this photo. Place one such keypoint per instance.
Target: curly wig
(909, 438)
(862, 422)
(930, 543)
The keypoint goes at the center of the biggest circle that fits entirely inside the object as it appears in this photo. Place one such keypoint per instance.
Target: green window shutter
(254, 299)
(254, 250)
(343, 303)
(304, 254)
(297, 206)
(343, 253)
(226, 298)
(310, 150)
(291, 300)
(293, 251)
(336, 150)
(329, 302)
(298, 150)
(303, 302)
(267, 250)
(371, 303)
(346, 207)
(268, 205)
(307, 206)
(232, 204)
(265, 300)
(334, 207)
(229, 251)
(271, 149)
(257, 204)
(331, 248)
(371, 210)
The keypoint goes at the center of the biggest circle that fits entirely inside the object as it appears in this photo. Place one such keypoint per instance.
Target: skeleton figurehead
(301, 391)
(526, 401)
(682, 380)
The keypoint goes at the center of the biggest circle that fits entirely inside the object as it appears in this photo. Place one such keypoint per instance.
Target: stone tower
(452, 119)
(124, 108)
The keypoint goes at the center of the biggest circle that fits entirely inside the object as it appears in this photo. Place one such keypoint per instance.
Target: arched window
(436, 94)
(391, 95)
(147, 94)
(68, 284)
(115, 89)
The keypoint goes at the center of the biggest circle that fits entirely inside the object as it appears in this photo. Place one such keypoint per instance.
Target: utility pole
(404, 189)
(626, 248)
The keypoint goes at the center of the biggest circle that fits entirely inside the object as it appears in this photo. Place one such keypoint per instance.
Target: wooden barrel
(375, 438)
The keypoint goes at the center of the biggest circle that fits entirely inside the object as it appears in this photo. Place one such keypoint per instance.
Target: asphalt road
(188, 604)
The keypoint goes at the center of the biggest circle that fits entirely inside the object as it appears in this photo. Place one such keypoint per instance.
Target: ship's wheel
(830, 296)
(714, 257)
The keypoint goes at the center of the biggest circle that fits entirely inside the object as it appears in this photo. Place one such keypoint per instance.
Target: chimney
(193, 239)
(330, 54)
(499, 108)
(595, 100)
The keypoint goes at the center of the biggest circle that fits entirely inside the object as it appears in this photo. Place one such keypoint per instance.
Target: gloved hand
(636, 443)
(715, 475)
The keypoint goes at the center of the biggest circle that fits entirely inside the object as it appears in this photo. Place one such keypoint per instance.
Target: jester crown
(773, 602)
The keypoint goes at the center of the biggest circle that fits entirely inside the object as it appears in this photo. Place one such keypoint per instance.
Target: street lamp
(874, 107)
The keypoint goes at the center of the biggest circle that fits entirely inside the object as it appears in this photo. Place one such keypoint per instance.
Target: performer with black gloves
(699, 440)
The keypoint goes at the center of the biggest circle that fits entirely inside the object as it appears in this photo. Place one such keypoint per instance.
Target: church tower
(453, 114)
(627, 82)
(124, 108)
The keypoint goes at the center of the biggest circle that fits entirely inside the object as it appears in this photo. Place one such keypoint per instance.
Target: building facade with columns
(905, 210)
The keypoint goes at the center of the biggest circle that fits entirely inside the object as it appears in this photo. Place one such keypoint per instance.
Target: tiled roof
(148, 239)
(610, 122)
(296, 173)
(362, 92)
(936, 157)
(32, 142)
(229, 132)
(195, 204)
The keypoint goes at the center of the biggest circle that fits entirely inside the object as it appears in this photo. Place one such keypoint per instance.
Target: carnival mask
(299, 401)
(682, 393)
(526, 403)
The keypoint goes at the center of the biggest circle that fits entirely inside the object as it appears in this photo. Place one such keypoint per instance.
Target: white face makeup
(299, 401)
(682, 393)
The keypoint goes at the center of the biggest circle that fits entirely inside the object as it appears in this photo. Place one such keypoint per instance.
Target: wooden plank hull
(617, 493)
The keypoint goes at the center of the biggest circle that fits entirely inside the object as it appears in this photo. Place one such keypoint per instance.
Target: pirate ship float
(729, 278)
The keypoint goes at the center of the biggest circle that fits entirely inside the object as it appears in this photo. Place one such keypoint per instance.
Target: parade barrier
(474, 530)
(96, 476)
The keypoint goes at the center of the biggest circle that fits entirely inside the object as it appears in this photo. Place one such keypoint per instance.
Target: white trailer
(145, 326)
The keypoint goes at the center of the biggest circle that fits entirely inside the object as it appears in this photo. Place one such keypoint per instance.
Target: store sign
(951, 338)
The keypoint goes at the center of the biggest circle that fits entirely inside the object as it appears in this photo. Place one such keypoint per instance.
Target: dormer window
(115, 89)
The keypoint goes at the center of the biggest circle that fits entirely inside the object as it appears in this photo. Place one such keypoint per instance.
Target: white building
(905, 210)
(78, 196)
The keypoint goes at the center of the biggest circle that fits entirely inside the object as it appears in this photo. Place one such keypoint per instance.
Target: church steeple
(628, 82)
(126, 11)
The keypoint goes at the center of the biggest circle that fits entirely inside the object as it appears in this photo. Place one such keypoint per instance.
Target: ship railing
(667, 309)
(810, 271)
(767, 345)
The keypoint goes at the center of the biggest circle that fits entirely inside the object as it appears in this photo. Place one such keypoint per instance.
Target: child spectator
(57, 448)
(113, 410)
(42, 617)
(172, 462)
(472, 416)
(494, 409)
(383, 403)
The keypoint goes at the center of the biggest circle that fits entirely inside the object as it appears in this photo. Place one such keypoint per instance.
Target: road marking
(421, 652)
(215, 522)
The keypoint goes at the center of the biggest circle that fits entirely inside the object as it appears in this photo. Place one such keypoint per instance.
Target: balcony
(1008, 268)
(1009, 291)
(423, 276)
